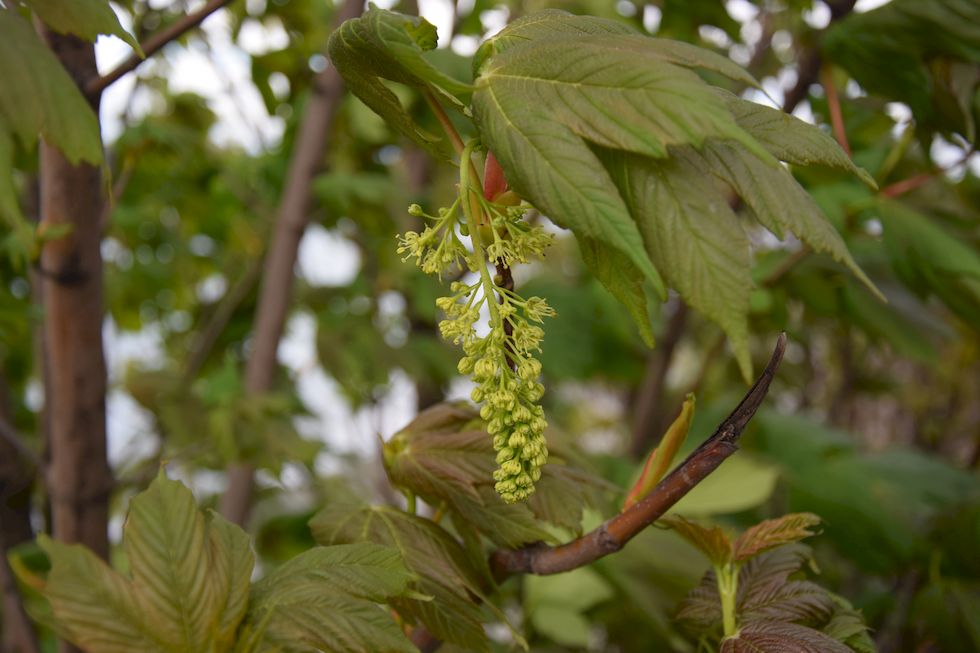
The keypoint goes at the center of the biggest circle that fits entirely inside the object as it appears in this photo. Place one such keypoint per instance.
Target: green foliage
(444, 570)
(39, 97)
(385, 45)
(931, 49)
(189, 589)
(84, 18)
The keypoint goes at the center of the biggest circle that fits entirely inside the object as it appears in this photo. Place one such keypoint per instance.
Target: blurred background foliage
(873, 422)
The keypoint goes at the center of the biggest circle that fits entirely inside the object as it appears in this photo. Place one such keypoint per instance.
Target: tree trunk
(277, 280)
(77, 477)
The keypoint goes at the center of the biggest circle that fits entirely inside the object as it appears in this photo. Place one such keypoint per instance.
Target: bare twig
(615, 533)
(154, 44)
(207, 337)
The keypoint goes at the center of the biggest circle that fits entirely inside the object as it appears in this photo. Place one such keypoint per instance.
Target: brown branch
(292, 217)
(154, 44)
(615, 533)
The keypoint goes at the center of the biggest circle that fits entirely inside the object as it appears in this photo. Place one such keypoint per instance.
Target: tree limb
(616, 532)
(154, 44)
(277, 278)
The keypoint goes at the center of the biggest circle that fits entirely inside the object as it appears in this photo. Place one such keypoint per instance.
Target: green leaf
(9, 206)
(693, 237)
(438, 560)
(774, 532)
(186, 567)
(790, 139)
(39, 98)
(86, 595)
(562, 625)
(623, 279)
(324, 600)
(556, 604)
(918, 43)
(84, 18)
(778, 202)
(743, 482)
(924, 255)
(387, 45)
(779, 637)
(189, 587)
(713, 542)
(540, 105)
(555, 23)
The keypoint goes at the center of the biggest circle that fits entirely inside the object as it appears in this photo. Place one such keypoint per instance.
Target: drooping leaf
(780, 637)
(693, 237)
(623, 279)
(189, 587)
(324, 600)
(39, 98)
(440, 563)
(713, 542)
(774, 532)
(779, 202)
(790, 139)
(84, 18)
(383, 44)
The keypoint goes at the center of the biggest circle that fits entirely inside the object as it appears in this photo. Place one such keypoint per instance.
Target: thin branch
(154, 44)
(204, 343)
(615, 533)
(306, 162)
(833, 105)
(444, 121)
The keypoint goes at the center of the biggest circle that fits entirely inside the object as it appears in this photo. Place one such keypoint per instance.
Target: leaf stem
(727, 577)
(473, 223)
(412, 506)
(833, 105)
(444, 121)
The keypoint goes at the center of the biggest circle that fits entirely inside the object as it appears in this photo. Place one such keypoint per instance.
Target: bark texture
(291, 220)
(77, 476)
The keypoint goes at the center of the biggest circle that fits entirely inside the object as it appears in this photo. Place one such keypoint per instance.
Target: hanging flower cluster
(502, 363)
